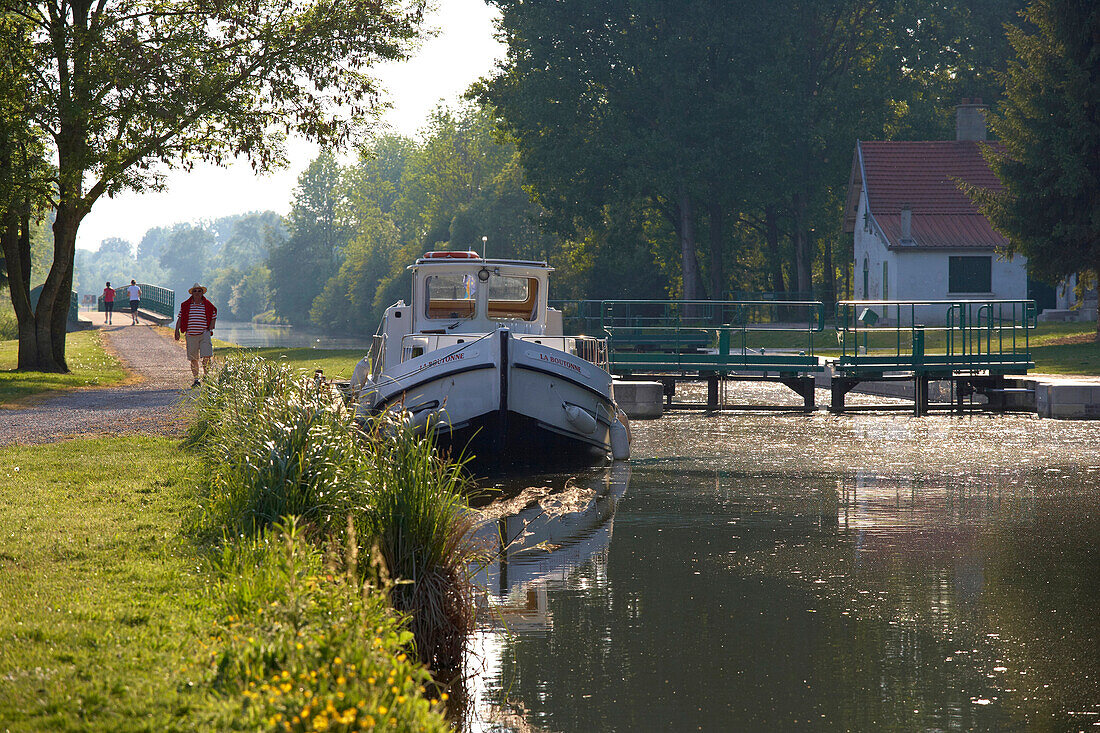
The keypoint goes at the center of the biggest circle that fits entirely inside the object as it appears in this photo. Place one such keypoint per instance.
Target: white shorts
(198, 344)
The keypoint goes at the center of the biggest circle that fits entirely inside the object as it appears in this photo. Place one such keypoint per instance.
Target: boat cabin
(461, 292)
(457, 296)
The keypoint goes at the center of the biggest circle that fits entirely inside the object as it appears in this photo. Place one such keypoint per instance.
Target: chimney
(970, 119)
(906, 224)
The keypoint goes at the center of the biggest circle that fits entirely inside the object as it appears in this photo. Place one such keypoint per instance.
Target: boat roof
(472, 258)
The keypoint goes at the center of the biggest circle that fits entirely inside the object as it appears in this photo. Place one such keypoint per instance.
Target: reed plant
(418, 518)
(279, 444)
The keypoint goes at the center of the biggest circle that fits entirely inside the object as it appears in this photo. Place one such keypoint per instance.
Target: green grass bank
(123, 605)
(90, 364)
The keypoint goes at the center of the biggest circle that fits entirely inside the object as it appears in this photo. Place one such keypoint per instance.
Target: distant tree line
(228, 255)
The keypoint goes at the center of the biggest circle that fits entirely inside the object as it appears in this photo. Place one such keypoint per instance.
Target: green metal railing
(153, 298)
(722, 336)
(927, 336)
(74, 303)
(580, 317)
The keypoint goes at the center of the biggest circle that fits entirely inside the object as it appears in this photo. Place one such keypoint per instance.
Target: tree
(186, 256)
(301, 264)
(1049, 124)
(122, 88)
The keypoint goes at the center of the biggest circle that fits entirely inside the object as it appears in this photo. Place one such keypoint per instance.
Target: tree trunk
(803, 254)
(717, 259)
(42, 334)
(689, 259)
(771, 223)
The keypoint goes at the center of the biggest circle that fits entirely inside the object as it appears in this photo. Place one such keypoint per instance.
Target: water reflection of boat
(544, 542)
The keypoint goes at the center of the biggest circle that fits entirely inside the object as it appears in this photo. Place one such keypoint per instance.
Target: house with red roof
(917, 235)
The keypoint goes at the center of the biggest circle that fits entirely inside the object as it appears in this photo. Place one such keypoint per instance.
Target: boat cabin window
(451, 295)
(513, 297)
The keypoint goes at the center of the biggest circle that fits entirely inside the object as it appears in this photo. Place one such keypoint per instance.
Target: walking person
(196, 321)
(108, 301)
(135, 299)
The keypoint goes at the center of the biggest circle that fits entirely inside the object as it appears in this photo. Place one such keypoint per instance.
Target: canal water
(747, 571)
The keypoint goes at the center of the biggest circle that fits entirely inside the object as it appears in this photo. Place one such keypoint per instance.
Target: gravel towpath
(151, 403)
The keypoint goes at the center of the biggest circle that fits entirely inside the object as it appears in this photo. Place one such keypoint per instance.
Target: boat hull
(506, 399)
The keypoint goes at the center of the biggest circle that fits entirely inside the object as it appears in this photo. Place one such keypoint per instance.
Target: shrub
(9, 326)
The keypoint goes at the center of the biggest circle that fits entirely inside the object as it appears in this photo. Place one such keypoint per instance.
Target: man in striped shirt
(196, 321)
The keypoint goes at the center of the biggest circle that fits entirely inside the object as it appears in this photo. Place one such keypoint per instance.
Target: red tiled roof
(923, 176)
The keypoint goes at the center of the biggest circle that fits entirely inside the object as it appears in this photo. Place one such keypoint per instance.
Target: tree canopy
(1049, 124)
(121, 88)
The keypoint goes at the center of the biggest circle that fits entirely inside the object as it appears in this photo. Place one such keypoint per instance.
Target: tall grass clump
(418, 518)
(279, 444)
(302, 647)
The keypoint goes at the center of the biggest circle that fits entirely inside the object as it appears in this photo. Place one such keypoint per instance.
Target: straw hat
(200, 288)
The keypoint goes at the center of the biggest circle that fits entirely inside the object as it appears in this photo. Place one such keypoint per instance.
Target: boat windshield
(513, 297)
(451, 295)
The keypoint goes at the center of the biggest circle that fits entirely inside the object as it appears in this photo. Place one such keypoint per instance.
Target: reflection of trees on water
(990, 578)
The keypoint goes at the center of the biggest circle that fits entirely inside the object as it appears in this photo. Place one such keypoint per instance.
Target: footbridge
(972, 345)
(157, 303)
(674, 341)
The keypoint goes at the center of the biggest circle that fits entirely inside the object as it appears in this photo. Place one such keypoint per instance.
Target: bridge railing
(153, 298)
(748, 324)
(580, 316)
(959, 334)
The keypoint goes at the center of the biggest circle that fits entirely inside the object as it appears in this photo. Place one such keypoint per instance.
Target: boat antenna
(484, 248)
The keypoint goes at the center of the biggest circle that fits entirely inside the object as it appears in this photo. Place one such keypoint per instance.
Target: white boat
(479, 357)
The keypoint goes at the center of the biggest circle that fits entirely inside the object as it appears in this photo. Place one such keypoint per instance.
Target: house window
(866, 291)
(969, 274)
(885, 282)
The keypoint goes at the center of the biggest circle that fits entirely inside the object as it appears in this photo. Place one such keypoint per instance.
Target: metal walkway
(973, 344)
(687, 340)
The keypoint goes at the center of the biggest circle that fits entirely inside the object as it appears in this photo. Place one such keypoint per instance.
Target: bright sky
(463, 51)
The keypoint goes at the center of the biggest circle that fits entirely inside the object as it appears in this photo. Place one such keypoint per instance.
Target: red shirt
(184, 317)
(108, 295)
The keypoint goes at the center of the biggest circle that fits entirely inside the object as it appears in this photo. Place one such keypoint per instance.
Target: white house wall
(868, 245)
(923, 274)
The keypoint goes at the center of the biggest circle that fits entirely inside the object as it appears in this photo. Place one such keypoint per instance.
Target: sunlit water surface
(753, 571)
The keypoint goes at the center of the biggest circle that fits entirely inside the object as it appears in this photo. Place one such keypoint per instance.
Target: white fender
(620, 441)
(359, 376)
(582, 420)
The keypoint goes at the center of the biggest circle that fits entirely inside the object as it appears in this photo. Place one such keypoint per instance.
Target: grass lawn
(337, 363)
(89, 362)
(100, 592)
